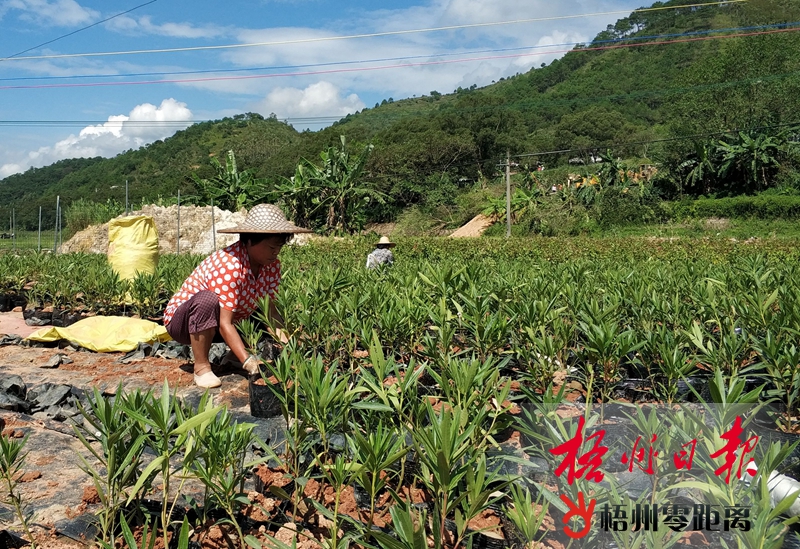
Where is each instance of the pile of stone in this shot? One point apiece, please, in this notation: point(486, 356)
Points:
point(46, 401)
point(197, 230)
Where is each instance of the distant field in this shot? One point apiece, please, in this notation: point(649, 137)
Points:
point(26, 240)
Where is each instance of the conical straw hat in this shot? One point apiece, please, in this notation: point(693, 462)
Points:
point(384, 241)
point(267, 219)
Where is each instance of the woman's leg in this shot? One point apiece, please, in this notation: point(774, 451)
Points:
point(201, 344)
point(196, 323)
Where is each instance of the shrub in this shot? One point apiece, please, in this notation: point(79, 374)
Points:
point(763, 206)
point(82, 213)
point(620, 206)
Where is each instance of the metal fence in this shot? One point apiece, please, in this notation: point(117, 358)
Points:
point(46, 235)
point(47, 231)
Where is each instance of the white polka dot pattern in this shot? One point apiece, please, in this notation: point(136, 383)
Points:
point(241, 294)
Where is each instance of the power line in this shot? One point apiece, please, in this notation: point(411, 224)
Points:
point(385, 67)
point(408, 57)
point(651, 141)
point(536, 103)
point(500, 161)
point(79, 30)
point(367, 35)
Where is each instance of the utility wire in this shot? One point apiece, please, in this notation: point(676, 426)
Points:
point(368, 35)
point(444, 109)
point(405, 58)
point(651, 141)
point(385, 67)
point(501, 161)
point(77, 31)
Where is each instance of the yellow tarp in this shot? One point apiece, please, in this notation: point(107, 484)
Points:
point(133, 246)
point(105, 334)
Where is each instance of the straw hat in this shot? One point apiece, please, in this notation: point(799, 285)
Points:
point(384, 241)
point(266, 219)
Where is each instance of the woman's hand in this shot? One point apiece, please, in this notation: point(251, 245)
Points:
point(252, 365)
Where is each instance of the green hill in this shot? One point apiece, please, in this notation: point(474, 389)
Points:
point(631, 96)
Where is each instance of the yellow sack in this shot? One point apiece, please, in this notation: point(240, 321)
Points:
point(133, 246)
point(105, 334)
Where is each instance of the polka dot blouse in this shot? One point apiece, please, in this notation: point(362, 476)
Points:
point(227, 273)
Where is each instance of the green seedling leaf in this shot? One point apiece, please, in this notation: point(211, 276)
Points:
point(154, 466)
point(193, 422)
point(706, 487)
point(280, 492)
point(183, 537)
point(371, 405)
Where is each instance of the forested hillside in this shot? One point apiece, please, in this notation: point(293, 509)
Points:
point(639, 89)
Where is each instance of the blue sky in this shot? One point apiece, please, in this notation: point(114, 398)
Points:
point(340, 75)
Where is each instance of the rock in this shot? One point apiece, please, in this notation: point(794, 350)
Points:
point(10, 339)
point(37, 317)
point(16, 310)
point(14, 404)
point(133, 356)
point(56, 360)
point(47, 394)
point(36, 321)
point(54, 412)
point(13, 385)
point(30, 476)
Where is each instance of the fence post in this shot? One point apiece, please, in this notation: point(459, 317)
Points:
point(13, 229)
point(179, 221)
point(126, 198)
point(39, 244)
point(213, 226)
point(55, 236)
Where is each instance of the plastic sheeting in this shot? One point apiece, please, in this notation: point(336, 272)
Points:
point(105, 334)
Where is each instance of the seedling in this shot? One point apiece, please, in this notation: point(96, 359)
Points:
point(12, 461)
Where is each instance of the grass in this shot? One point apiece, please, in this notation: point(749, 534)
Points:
point(740, 229)
point(27, 240)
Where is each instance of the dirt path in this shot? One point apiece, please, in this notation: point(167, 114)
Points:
point(476, 227)
point(13, 323)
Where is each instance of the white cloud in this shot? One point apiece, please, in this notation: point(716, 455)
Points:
point(402, 81)
point(144, 124)
point(320, 99)
point(145, 25)
point(10, 169)
point(60, 13)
